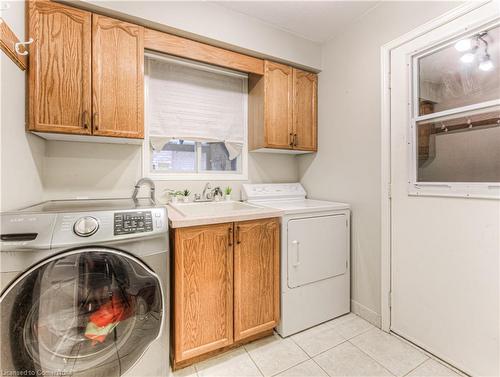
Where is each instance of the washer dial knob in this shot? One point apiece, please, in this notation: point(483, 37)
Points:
point(86, 226)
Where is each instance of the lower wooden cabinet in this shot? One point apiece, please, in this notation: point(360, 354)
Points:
point(225, 286)
point(203, 289)
point(256, 277)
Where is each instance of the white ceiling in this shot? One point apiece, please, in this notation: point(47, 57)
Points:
point(317, 21)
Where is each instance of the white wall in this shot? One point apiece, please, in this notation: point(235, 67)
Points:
point(210, 22)
point(73, 169)
point(21, 156)
point(347, 167)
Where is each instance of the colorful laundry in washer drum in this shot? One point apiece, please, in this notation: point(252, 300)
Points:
point(107, 317)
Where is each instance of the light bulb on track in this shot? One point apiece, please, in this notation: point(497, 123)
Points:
point(486, 64)
point(463, 45)
point(467, 58)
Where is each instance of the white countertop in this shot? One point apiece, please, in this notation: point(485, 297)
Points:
point(177, 219)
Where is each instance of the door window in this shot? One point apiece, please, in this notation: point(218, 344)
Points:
point(455, 122)
point(84, 313)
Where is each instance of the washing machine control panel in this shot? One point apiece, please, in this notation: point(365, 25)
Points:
point(132, 222)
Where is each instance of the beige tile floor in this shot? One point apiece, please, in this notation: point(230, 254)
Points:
point(346, 346)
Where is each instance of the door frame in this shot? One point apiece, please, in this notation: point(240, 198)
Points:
point(385, 216)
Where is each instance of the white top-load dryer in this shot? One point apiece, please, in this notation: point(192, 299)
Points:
point(315, 256)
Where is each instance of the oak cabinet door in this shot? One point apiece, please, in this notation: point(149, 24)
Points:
point(305, 89)
point(203, 289)
point(117, 78)
point(256, 277)
point(278, 105)
point(59, 73)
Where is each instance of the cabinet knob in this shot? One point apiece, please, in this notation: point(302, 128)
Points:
point(96, 119)
point(230, 232)
point(295, 140)
point(238, 239)
point(84, 119)
point(291, 139)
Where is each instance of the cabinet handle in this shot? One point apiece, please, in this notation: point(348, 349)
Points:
point(238, 240)
point(291, 139)
point(295, 140)
point(96, 124)
point(230, 231)
point(84, 119)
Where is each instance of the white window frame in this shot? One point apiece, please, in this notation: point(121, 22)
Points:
point(484, 190)
point(240, 175)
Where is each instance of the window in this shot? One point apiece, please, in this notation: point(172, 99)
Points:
point(179, 156)
point(455, 118)
point(196, 121)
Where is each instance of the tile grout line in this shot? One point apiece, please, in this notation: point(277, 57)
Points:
point(320, 367)
point(430, 355)
point(253, 361)
point(376, 361)
point(418, 366)
point(294, 365)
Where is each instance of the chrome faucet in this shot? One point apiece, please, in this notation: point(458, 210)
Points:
point(208, 186)
point(140, 183)
point(205, 196)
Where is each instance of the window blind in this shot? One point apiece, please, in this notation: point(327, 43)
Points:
point(190, 103)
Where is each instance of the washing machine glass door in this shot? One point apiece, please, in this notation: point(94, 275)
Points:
point(86, 312)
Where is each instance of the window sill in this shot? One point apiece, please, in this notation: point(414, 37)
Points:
point(455, 190)
point(198, 176)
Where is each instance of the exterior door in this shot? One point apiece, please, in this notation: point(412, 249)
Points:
point(59, 68)
point(256, 277)
point(317, 249)
point(203, 289)
point(305, 91)
point(83, 313)
point(278, 105)
point(117, 78)
point(446, 242)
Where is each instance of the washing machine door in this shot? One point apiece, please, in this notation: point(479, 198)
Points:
point(85, 312)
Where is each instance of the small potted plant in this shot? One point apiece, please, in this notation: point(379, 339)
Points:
point(174, 195)
point(227, 193)
point(185, 195)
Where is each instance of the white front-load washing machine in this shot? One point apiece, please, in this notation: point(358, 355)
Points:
point(85, 289)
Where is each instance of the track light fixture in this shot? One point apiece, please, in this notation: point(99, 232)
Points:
point(471, 46)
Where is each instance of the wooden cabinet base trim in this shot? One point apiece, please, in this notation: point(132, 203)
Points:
point(206, 348)
point(196, 359)
point(248, 334)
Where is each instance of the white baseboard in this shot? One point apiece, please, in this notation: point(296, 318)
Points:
point(371, 316)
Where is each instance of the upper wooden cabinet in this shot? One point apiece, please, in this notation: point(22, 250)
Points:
point(283, 109)
point(85, 73)
point(278, 111)
point(117, 78)
point(59, 68)
point(256, 277)
point(305, 89)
